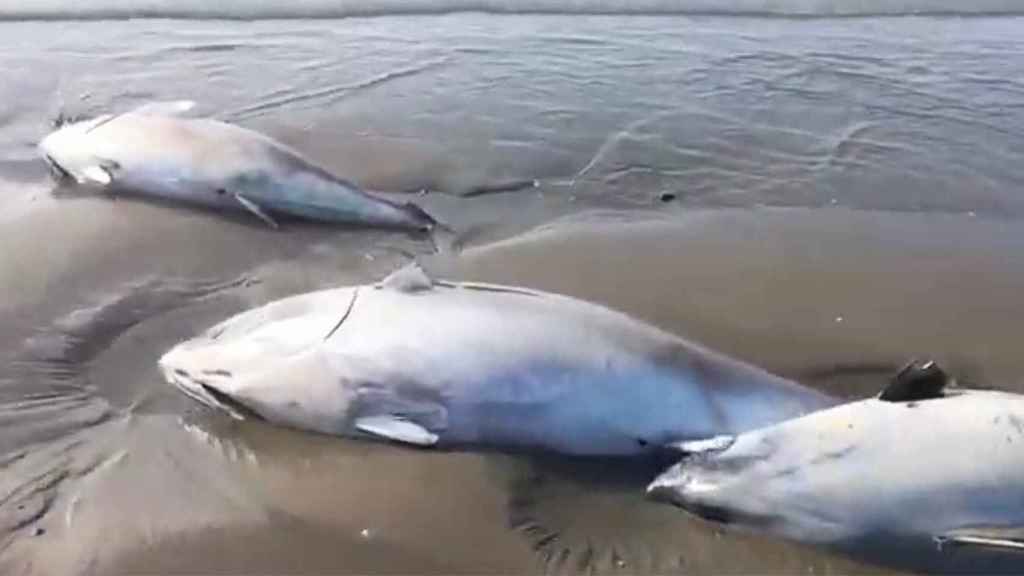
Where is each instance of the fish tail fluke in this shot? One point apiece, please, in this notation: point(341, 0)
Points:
point(446, 241)
point(443, 236)
point(422, 218)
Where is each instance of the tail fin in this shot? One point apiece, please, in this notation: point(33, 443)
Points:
point(444, 238)
point(422, 217)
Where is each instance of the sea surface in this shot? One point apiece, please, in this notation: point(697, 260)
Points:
point(824, 188)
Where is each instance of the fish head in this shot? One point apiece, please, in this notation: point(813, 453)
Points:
point(715, 481)
point(68, 149)
point(777, 480)
point(269, 363)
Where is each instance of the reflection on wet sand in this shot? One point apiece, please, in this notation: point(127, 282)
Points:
point(819, 293)
point(117, 472)
point(106, 469)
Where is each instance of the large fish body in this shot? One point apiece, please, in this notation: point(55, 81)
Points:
point(471, 365)
point(918, 476)
point(156, 151)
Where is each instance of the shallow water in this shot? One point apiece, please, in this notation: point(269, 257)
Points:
point(846, 197)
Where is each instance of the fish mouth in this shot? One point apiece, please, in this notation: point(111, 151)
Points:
point(710, 512)
point(670, 488)
point(203, 391)
point(696, 495)
point(56, 170)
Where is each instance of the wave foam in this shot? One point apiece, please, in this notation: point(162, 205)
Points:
point(267, 9)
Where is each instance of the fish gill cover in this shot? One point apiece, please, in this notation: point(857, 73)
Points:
point(264, 9)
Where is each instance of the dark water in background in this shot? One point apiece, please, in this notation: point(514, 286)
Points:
point(887, 148)
point(900, 114)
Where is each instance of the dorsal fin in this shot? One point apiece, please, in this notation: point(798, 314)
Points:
point(409, 278)
point(917, 381)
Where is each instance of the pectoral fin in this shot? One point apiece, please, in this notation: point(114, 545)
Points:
point(1009, 539)
point(170, 108)
point(703, 446)
point(96, 174)
point(396, 429)
point(255, 209)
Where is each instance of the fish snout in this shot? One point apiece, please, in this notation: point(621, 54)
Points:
point(45, 146)
point(692, 474)
point(724, 490)
point(176, 372)
point(679, 485)
point(666, 486)
point(207, 386)
point(690, 492)
point(175, 362)
point(49, 148)
point(168, 366)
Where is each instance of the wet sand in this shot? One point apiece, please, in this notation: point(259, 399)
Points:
point(124, 475)
point(885, 146)
point(801, 292)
